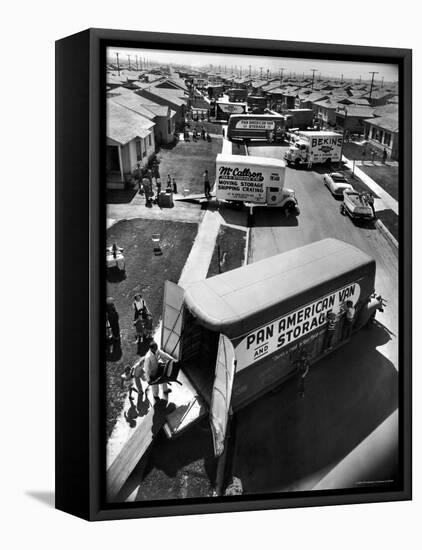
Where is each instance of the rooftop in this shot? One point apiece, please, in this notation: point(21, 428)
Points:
point(387, 122)
point(124, 125)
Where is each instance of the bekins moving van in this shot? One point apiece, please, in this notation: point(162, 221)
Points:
point(318, 147)
point(253, 180)
point(237, 335)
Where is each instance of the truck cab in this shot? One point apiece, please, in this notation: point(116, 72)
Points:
point(298, 153)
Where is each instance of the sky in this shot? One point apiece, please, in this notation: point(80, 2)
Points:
point(334, 69)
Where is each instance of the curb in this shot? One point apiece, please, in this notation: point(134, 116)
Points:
point(387, 233)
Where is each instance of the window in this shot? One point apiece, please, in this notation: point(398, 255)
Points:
point(387, 139)
point(374, 133)
point(144, 152)
point(138, 149)
point(169, 126)
point(150, 140)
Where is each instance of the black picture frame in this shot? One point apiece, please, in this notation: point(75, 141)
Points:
point(80, 279)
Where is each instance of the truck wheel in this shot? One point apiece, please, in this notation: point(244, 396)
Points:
point(342, 210)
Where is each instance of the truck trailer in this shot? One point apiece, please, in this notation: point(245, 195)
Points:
point(315, 148)
point(263, 127)
point(224, 109)
point(253, 181)
point(239, 334)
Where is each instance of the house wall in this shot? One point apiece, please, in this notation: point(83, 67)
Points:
point(164, 130)
point(179, 109)
point(377, 139)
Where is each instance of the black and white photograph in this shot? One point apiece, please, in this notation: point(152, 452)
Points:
point(252, 263)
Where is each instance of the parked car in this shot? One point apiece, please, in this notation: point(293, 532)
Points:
point(337, 183)
point(357, 205)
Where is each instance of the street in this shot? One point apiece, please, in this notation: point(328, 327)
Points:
point(289, 443)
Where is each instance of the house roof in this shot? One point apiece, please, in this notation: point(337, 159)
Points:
point(389, 110)
point(134, 103)
point(176, 97)
point(386, 122)
point(359, 111)
point(156, 108)
point(329, 103)
point(316, 96)
point(124, 125)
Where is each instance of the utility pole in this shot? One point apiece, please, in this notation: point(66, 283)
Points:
point(118, 66)
point(281, 75)
point(382, 82)
point(341, 79)
point(136, 57)
point(313, 77)
point(373, 73)
point(268, 72)
point(129, 61)
point(249, 71)
point(261, 72)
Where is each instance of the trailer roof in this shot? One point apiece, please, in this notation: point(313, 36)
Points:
point(243, 299)
point(247, 161)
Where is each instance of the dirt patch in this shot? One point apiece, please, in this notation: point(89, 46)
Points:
point(231, 243)
point(187, 161)
point(145, 273)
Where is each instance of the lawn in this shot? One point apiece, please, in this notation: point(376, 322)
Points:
point(386, 176)
point(232, 250)
point(187, 161)
point(145, 273)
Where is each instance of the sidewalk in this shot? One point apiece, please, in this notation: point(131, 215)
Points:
point(385, 201)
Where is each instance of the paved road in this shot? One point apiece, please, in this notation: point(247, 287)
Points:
point(287, 443)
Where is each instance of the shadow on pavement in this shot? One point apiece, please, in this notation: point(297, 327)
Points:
point(163, 473)
point(282, 438)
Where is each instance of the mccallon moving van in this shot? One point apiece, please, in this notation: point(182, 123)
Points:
point(238, 335)
point(318, 147)
point(253, 181)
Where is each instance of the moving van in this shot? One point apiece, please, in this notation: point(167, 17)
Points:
point(316, 147)
point(238, 335)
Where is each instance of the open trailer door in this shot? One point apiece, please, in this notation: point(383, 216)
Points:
point(172, 326)
point(222, 391)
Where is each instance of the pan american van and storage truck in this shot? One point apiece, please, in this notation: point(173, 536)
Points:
point(318, 147)
point(254, 181)
point(239, 334)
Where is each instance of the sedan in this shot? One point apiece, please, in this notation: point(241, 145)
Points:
point(337, 183)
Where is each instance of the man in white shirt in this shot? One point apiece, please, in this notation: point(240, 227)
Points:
point(155, 361)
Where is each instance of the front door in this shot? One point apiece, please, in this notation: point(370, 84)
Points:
point(172, 327)
point(222, 391)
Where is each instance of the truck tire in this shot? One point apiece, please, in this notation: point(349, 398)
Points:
point(342, 209)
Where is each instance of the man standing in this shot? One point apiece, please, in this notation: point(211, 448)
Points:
point(154, 365)
point(302, 371)
point(348, 319)
point(310, 160)
point(331, 329)
point(113, 319)
point(207, 187)
point(384, 156)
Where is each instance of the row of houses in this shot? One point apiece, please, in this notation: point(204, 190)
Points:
point(144, 110)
